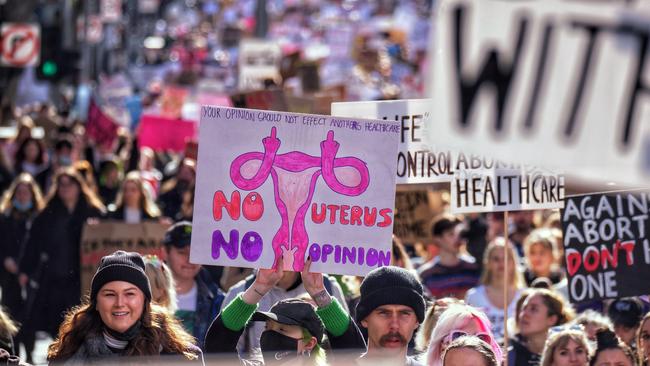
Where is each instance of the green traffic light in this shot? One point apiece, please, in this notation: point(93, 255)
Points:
point(49, 68)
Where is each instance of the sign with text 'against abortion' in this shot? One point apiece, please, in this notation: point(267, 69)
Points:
point(421, 157)
point(607, 245)
point(506, 189)
point(274, 185)
point(559, 84)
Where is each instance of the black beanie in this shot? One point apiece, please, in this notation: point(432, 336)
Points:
point(121, 266)
point(390, 286)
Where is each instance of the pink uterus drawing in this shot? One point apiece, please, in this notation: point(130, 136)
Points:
point(294, 176)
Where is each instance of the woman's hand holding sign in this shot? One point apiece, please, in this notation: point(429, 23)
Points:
point(315, 286)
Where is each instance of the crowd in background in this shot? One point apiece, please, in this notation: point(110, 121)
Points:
point(471, 296)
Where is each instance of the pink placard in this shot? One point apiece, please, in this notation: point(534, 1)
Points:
point(161, 133)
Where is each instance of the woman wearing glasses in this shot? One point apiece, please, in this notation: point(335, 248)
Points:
point(566, 347)
point(542, 310)
point(457, 321)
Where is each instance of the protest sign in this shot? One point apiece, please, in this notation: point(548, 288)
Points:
point(98, 240)
point(413, 215)
point(558, 84)
point(607, 245)
point(161, 134)
point(100, 127)
point(505, 189)
point(276, 185)
point(259, 60)
point(113, 92)
point(420, 159)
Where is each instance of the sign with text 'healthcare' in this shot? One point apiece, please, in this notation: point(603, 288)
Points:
point(274, 185)
point(421, 157)
point(506, 189)
point(559, 84)
point(607, 245)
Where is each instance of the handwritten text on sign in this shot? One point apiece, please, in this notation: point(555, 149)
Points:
point(566, 78)
point(505, 190)
point(607, 247)
point(421, 157)
point(274, 185)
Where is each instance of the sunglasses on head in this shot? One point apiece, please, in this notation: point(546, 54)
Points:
point(459, 333)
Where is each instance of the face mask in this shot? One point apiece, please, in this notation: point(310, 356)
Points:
point(22, 207)
point(65, 161)
point(272, 341)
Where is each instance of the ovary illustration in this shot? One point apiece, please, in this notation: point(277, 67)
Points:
point(294, 175)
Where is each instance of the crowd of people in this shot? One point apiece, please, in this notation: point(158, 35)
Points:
point(454, 301)
point(471, 296)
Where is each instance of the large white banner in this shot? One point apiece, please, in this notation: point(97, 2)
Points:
point(421, 157)
point(274, 184)
point(559, 84)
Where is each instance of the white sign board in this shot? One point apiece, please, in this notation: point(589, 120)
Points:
point(276, 185)
point(258, 60)
point(559, 84)
point(20, 44)
point(420, 158)
point(505, 190)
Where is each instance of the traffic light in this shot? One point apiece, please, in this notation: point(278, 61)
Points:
point(56, 63)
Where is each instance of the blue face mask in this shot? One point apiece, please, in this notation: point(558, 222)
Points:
point(22, 207)
point(65, 161)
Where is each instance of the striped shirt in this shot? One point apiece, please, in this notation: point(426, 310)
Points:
point(443, 281)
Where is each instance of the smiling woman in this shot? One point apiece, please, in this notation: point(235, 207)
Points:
point(119, 320)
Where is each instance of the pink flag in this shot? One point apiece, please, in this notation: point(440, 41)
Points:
point(99, 126)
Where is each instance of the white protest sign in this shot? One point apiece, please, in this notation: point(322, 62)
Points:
point(273, 184)
point(258, 60)
point(20, 44)
point(559, 84)
point(497, 190)
point(420, 158)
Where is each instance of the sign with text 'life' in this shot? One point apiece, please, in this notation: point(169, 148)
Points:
point(607, 245)
point(558, 84)
point(421, 157)
point(504, 189)
point(274, 185)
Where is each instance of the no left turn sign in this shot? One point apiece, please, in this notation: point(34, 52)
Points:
point(20, 44)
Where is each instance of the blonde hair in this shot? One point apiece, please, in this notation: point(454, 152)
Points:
point(456, 317)
point(431, 319)
point(486, 276)
point(22, 178)
point(163, 288)
point(641, 357)
point(473, 343)
point(8, 328)
point(561, 339)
